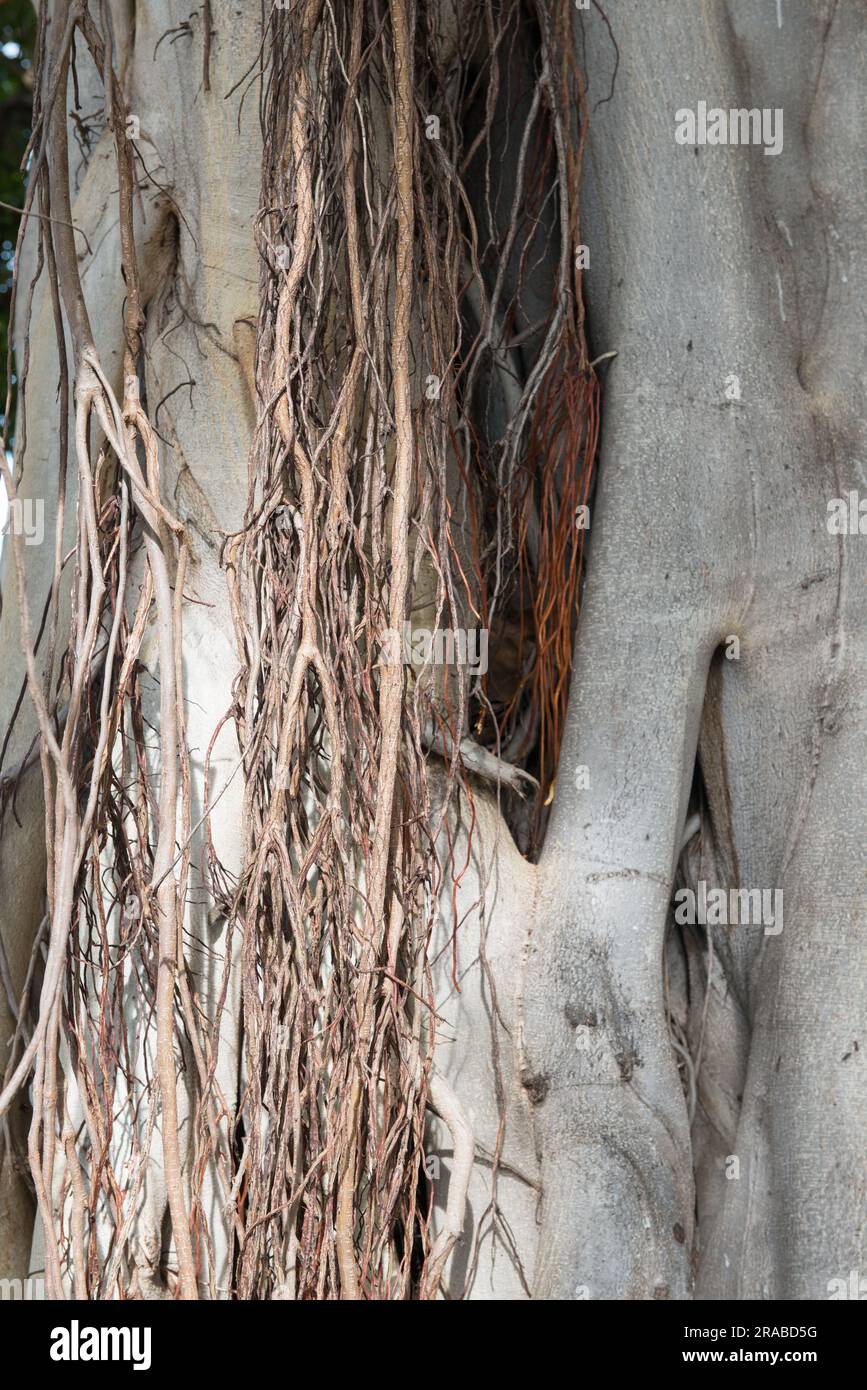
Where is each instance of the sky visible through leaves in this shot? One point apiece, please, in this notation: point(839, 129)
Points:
point(17, 30)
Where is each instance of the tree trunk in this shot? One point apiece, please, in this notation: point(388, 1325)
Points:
point(353, 968)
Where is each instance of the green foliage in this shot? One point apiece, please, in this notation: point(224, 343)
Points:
point(17, 34)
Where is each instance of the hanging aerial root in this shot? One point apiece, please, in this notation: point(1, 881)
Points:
point(115, 920)
point(376, 488)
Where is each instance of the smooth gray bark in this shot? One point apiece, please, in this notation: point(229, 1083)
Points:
point(710, 521)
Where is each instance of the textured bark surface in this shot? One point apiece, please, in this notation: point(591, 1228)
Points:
point(709, 521)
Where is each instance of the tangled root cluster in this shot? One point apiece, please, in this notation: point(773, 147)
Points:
point(426, 429)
